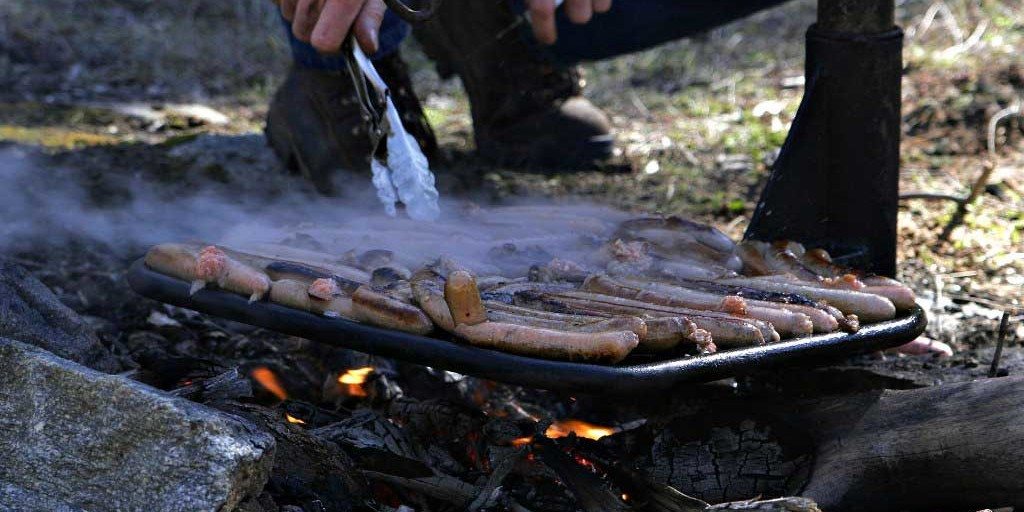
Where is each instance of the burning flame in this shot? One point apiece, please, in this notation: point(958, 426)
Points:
point(564, 428)
point(581, 428)
point(269, 381)
point(521, 441)
point(293, 419)
point(354, 380)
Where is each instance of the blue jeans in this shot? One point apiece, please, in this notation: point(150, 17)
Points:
point(630, 26)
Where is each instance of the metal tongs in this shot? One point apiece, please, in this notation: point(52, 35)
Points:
point(401, 172)
point(369, 101)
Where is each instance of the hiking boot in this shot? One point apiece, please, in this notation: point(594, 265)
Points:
point(526, 109)
point(315, 125)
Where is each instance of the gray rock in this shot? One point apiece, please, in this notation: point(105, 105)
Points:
point(29, 312)
point(86, 440)
point(24, 500)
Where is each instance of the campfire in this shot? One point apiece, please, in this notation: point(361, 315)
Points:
point(542, 284)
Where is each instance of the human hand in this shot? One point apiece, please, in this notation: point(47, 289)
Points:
point(542, 15)
point(325, 23)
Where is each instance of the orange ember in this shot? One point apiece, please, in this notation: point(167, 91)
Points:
point(269, 381)
point(293, 419)
point(353, 380)
point(581, 428)
point(521, 441)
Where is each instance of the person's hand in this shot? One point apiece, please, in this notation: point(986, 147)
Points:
point(542, 15)
point(325, 23)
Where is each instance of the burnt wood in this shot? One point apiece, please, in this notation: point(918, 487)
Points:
point(953, 447)
point(625, 379)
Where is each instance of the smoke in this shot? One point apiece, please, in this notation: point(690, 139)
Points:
point(233, 193)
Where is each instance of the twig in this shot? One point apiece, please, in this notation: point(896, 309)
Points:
point(963, 205)
point(491, 491)
point(986, 172)
point(931, 197)
point(1004, 324)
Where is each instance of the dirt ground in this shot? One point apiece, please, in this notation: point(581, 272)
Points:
point(698, 122)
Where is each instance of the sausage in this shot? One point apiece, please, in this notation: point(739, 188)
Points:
point(463, 298)
point(606, 347)
point(594, 324)
point(263, 254)
point(678, 232)
point(823, 317)
point(175, 260)
point(682, 269)
point(754, 262)
point(324, 288)
point(867, 307)
point(379, 309)
point(686, 298)
point(308, 274)
point(384, 276)
point(900, 295)
point(208, 265)
point(821, 321)
point(762, 258)
point(765, 329)
point(428, 292)
point(362, 305)
point(725, 330)
point(243, 279)
point(295, 294)
point(787, 323)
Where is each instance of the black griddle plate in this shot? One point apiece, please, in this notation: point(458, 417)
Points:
point(625, 379)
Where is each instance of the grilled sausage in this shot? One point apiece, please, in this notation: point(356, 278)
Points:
point(295, 294)
point(463, 298)
point(381, 310)
point(607, 347)
point(243, 279)
point(175, 260)
point(428, 292)
point(208, 265)
point(867, 307)
point(324, 288)
point(725, 330)
point(787, 323)
point(362, 303)
point(656, 334)
point(263, 254)
point(900, 295)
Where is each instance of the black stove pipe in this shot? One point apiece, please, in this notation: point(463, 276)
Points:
point(835, 182)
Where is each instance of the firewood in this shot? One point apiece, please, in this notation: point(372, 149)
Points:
point(948, 447)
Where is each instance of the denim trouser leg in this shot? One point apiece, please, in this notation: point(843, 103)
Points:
point(634, 25)
point(392, 32)
point(630, 26)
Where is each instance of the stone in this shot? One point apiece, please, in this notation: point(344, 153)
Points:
point(29, 312)
point(86, 440)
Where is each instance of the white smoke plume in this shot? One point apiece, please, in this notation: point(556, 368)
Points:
point(43, 204)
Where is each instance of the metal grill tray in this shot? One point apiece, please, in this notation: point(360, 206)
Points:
point(625, 379)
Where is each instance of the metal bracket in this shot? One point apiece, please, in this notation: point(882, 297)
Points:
point(835, 184)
